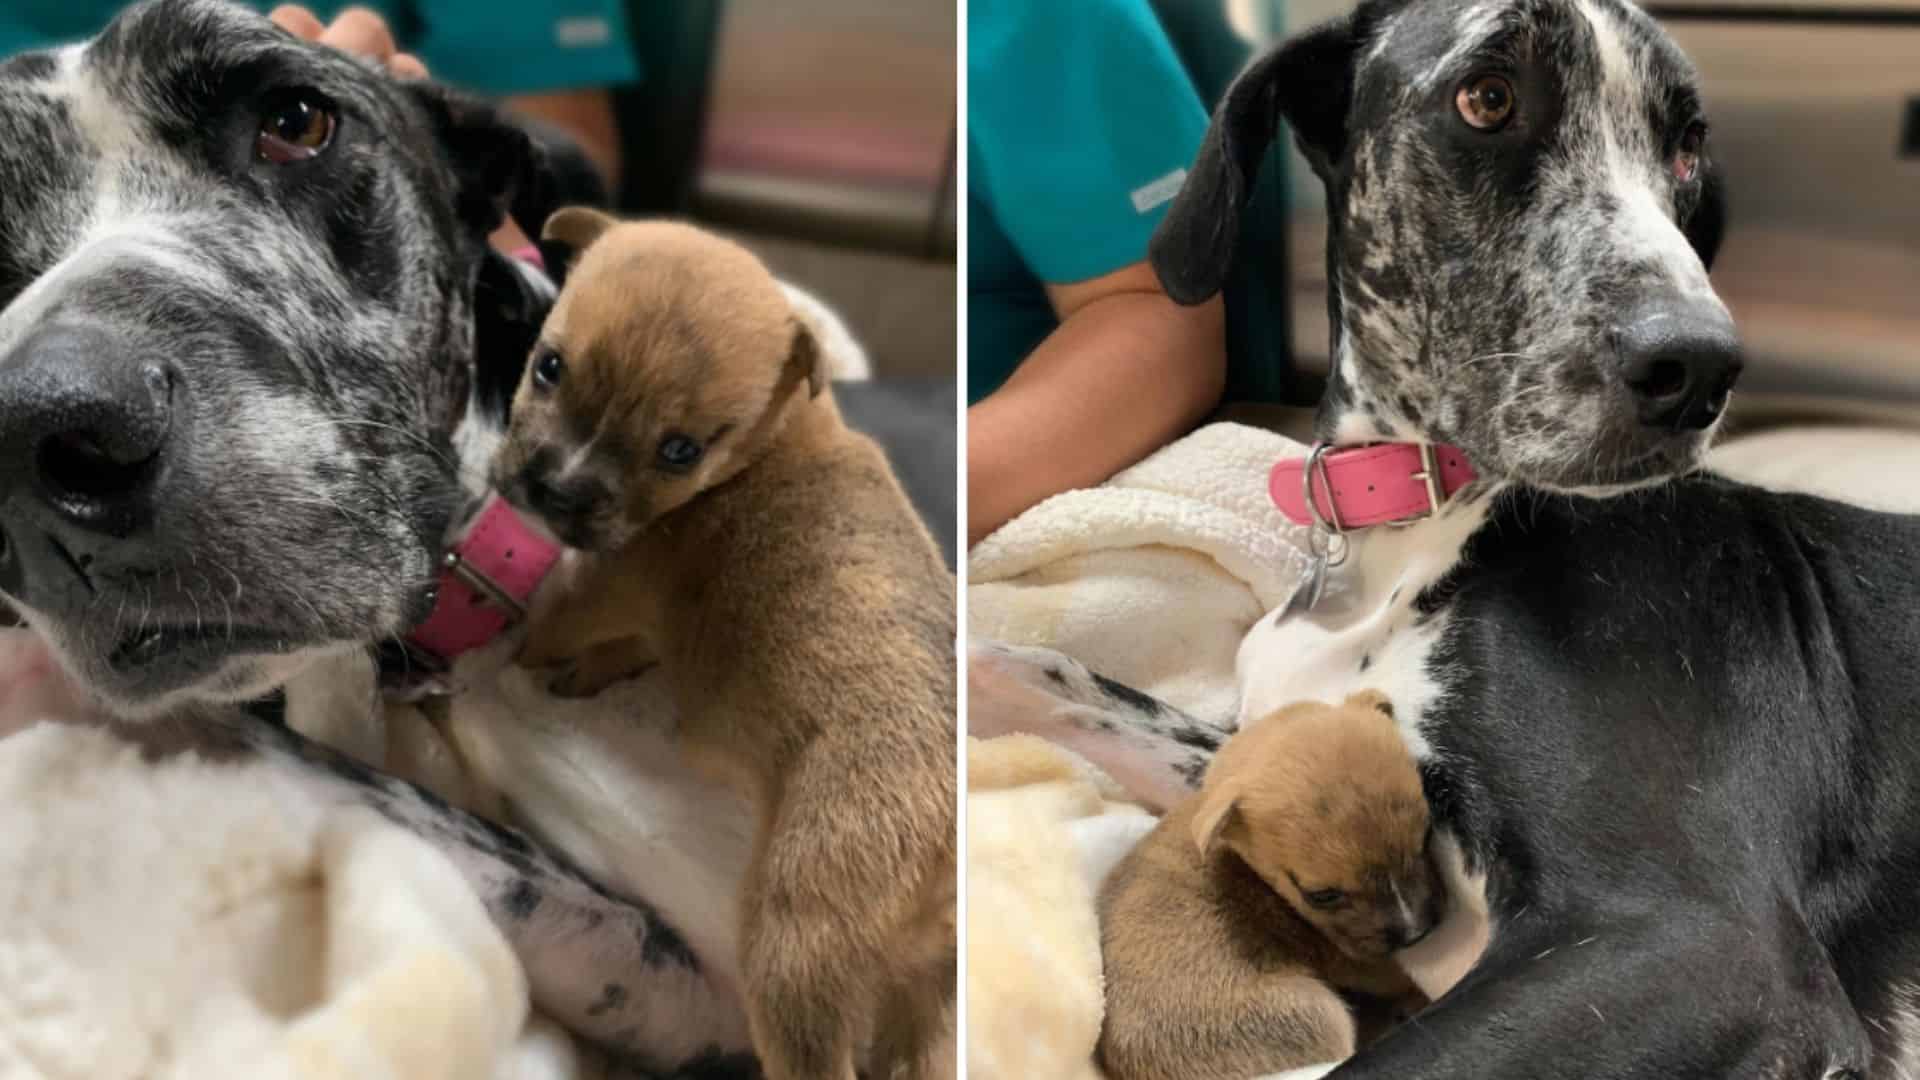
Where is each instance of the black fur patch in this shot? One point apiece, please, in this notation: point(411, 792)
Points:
point(1128, 696)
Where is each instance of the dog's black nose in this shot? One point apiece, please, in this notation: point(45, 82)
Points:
point(85, 427)
point(1680, 364)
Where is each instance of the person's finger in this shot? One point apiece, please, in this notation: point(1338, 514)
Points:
point(406, 67)
point(298, 21)
point(363, 33)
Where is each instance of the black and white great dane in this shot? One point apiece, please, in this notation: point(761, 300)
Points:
point(254, 352)
point(1669, 723)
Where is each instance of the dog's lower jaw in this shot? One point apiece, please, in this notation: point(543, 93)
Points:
point(1349, 417)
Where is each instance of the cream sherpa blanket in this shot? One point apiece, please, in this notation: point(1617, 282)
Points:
point(183, 919)
point(1155, 576)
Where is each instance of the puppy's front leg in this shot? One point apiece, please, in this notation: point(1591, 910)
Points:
point(591, 609)
point(601, 666)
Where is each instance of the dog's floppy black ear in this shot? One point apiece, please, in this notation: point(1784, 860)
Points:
point(500, 171)
point(1707, 225)
point(1308, 82)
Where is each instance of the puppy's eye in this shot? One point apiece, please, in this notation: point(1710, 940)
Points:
point(296, 125)
point(679, 452)
point(1686, 156)
point(547, 369)
point(1485, 102)
point(1326, 898)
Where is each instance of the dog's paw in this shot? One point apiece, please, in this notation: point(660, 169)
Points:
point(1012, 688)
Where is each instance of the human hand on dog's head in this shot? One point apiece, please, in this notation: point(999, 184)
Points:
point(1325, 804)
point(667, 362)
point(356, 30)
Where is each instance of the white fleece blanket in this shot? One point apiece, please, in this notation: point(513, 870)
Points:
point(1153, 577)
point(186, 919)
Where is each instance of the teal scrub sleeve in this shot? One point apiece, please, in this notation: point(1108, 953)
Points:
point(38, 24)
point(1082, 123)
point(504, 47)
point(492, 47)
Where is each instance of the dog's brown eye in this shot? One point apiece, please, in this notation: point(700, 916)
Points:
point(1686, 157)
point(1326, 898)
point(296, 125)
point(1485, 102)
point(679, 452)
point(547, 369)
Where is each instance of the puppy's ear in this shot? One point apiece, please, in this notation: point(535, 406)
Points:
point(1708, 223)
point(1309, 83)
point(1372, 699)
point(499, 170)
point(1219, 808)
point(806, 356)
point(575, 228)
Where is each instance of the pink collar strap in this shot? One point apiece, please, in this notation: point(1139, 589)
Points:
point(1375, 484)
point(486, 582)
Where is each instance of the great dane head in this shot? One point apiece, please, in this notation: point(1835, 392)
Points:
point(238, 276)
point(1521, 213)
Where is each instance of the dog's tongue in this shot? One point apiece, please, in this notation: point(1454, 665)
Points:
point(32, 685)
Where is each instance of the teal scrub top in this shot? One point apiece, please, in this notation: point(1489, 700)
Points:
point(1081, 123)
point(493, 47)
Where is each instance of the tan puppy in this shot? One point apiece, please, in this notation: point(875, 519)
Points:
point(675, 424)
point(1294, 872)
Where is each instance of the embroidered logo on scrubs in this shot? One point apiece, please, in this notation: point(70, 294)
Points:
point(582, 33)
point(1153, 194)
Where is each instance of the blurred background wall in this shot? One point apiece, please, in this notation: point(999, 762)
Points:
point(823, 132)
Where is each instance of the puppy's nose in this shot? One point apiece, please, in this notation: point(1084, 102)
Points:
point(1680, 362)
point(86, 427)
point(558, 500)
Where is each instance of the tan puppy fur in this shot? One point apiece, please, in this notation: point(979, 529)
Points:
point(1294, 873)
point(802, 615)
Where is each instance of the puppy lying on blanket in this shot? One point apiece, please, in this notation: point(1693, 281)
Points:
point(674, 423)
point(1296, 870)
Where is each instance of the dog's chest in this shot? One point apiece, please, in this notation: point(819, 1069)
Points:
point(1368, 632)
point(603, 782)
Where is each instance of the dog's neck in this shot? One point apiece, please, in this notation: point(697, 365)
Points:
point(1391, 565)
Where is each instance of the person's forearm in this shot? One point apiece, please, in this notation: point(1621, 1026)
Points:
point(1120, 378)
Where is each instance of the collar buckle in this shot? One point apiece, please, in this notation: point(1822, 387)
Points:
point(485, 586)
point(1436, 496)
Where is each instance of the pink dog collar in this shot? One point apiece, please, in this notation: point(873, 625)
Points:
point(1374, 484)
point(486, 582)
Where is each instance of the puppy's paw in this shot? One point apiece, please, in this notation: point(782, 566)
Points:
point(568, 681)
point(588, 676)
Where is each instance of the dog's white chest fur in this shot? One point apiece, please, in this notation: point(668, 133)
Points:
point(601, 781)
point(1366, 634)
